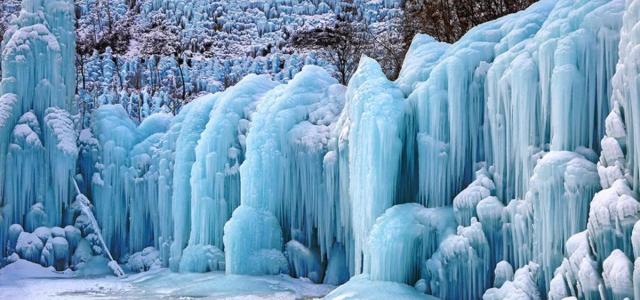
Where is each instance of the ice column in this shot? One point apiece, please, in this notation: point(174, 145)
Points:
point(141, 183)
point(541, 90)
point(376, 135)
point(403, 238)
point(37, 135)
point(192, 126)
point(562, 185)
point(215, 176)
point(116, 134)
point(282, 180)
point(450, 104)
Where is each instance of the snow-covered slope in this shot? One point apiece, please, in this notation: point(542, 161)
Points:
point(171, 50)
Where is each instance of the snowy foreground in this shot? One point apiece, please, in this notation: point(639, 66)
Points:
point(26, 280)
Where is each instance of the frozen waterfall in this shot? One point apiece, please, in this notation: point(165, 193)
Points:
point(502, 166)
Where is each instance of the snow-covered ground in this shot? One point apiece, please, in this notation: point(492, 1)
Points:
point(26, 280)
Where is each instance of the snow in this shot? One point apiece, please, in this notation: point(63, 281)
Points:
point(617, 275)
point(361, 287)
point(29, 246)
point(23, 279)
point(523, 286)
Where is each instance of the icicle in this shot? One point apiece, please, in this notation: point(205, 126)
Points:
point(460, 268)
point(215, 176)
point(403, 238)
point(450, 107)
point(561, 188)
point(282, 179)
point(539, 91)
point(376, 136)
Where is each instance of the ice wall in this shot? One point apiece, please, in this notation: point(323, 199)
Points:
point(215, 177)
point(450, 110)
point(282, 179)
point(116, 135)
point(599, 261)
point(541, 90)
point(192, 126)
point(38, 150)
point(403, 238)
point(529, 84)
point(376, 135)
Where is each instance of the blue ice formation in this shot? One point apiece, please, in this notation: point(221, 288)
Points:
point(38, 150)
point(282, 179)
point(403, 238)
point(376, 132)
point(502, 166)
point(215, 175)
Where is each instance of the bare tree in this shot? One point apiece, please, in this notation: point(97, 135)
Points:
point(448, 20)
point(388, 47)
point(342, 44)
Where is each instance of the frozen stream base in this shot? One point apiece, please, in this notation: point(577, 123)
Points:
point(26, 280)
